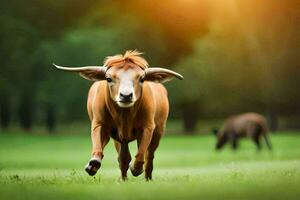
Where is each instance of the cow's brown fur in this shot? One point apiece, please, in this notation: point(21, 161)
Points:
point(251, 125)
point(144, 121)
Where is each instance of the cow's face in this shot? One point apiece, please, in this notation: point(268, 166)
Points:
point(221, 139)
point(125, 84)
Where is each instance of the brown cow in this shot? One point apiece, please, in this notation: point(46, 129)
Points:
point(127, 102)
point(251, 125)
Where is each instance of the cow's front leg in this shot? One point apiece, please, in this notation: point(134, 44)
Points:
point(143, 142)
point(99, 140)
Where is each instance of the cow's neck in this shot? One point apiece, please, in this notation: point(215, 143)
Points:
point(123, 118)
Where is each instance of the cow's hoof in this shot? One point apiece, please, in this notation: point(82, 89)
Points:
point(93, 166)
point(123, 179)
point(135, 172)
point(148, 178)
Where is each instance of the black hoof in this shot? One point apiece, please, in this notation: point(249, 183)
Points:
point(123, 179)
point(135, 172)
point(93, 166)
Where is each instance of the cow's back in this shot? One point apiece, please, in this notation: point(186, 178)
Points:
point(246, 124)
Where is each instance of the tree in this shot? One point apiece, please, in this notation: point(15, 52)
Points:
point(241, 65)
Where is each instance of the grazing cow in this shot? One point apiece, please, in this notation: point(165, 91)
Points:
point(251, 125)
point(127, 102)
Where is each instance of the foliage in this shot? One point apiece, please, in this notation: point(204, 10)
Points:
point(236, 57)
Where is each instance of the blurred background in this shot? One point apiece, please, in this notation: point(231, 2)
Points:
point(236, 56)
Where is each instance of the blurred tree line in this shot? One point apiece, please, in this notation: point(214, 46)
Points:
point(236, 56)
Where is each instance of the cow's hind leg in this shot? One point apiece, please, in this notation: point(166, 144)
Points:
point(123, 159)
point(256, 135)
point(150, 154)
point(256, 140)
point(267, 140)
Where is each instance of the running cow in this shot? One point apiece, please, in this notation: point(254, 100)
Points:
point(126, 102)
point(251, 125)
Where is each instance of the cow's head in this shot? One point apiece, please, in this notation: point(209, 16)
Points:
point(222, 138)
point(125, 76)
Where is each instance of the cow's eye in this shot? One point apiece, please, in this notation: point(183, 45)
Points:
point(142, 79)
point(108, 79)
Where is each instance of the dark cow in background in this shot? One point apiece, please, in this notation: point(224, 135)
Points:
point(250, 125)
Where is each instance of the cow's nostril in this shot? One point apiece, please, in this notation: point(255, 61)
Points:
point(126, 97)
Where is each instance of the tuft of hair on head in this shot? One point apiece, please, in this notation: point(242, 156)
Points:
point(133, 56)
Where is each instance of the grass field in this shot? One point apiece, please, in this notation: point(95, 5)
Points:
point(51, 167)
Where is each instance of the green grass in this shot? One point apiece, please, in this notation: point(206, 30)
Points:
point(51, 167)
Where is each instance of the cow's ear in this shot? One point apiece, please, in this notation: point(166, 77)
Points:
point(93, 73)
point(97, 74)
point(161, 75)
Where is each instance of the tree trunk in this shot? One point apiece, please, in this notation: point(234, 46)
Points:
point(5, 110)
point(190, 117)
point(272, 120)
point(26, 111)
point(50, 118)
